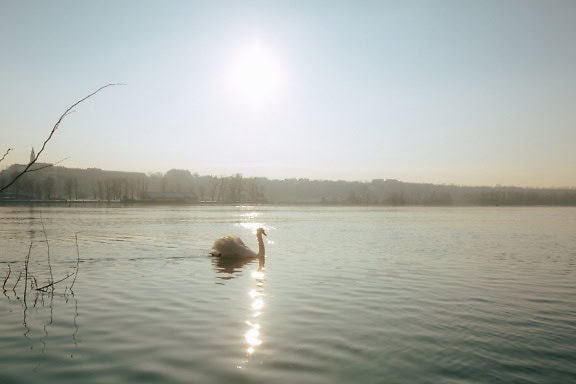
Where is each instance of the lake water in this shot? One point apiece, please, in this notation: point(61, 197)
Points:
point(346, 295)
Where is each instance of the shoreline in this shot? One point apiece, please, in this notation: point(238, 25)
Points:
point(150, 202)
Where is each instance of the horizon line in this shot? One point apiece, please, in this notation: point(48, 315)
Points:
point(149, 174)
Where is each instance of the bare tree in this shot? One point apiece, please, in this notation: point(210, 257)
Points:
point(54, 128)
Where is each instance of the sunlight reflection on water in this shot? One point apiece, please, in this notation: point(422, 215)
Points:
point(230, 268)
point(347, 295)
point(253, 335)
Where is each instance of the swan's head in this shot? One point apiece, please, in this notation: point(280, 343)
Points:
point(260, 232)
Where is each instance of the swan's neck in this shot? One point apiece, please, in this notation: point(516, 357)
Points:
point(261, 250)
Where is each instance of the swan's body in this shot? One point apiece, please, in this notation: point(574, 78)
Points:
point(234, 247)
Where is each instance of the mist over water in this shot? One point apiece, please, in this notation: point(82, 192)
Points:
point(395, 295)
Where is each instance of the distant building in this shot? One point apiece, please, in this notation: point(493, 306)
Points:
point(32, 155)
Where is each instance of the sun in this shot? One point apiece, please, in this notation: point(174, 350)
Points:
point(255, 75)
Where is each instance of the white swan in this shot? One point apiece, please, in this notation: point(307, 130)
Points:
point(233, 247)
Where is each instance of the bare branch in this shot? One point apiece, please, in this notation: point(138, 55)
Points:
point(17, 281)
point(54, 128)
point(47, 251)
point(26, 271)
point(77, 261)
point(5, 154)
point(6, 279)
point(43, 289)
point(47, 165)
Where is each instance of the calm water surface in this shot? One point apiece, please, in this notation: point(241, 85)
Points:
point(346, 295)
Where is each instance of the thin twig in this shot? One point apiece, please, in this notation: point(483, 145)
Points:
point(62, 116)
point(26, 271)
point(36, 300)
point(48, 251)
point(5, 154)
point(43, 289)
point(47, 165)
point(77, 261)
point(6, 279)
point(17, 281)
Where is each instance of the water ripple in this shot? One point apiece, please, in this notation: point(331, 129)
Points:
point(347, 295)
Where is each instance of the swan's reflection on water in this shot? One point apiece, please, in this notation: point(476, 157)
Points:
point(229, 268)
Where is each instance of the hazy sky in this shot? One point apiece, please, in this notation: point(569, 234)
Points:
point(463, 92)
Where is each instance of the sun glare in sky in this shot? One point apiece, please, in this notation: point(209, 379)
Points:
point(254, 75)
point(443, 92)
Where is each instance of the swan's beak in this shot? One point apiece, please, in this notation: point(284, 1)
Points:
point(264, 233)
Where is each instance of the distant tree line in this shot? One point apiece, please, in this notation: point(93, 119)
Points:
point(396, 193)
point(59, 183)
point(196, 188)
point(177, 185)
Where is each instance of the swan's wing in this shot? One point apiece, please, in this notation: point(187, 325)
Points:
point(228, 241)
point(238, 241)
point(229, 246)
